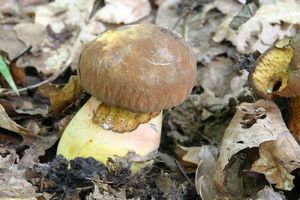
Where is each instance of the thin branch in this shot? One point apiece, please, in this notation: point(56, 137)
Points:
point(182, 171)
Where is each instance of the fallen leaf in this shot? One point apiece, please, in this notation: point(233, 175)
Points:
point(31, 34)
point(7, 123)
point(274, 172)
point(207, 157)
point(268, 193)
point(262, 30)
point(191, 154)
point(253, 124)
point(66, 96)
point(12, 181)
point(218, 72)
point(278, 159)
point(246, 12)
point(10, 43)
point(123, 11)
point(179, 16)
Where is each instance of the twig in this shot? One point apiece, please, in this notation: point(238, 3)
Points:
point(182, 171)
point(50, 79)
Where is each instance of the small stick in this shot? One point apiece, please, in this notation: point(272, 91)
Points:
point(182, 171)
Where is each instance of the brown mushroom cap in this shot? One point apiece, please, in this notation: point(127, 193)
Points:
point(142, 68)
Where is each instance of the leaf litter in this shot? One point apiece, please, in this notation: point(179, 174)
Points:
point(232, 149)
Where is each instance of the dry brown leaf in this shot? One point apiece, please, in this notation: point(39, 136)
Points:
point(63, 17)
point(205, 172)
point(123, 11)
point(10, 43)
point(263, 29)
point(268, 193)
point(191, 155)
point(253, 124)
point(61, 97)
point(277, 159)
point(7, 123)
point(196, 27)
point(68, 94)
point(12, 181)
point(220, 72)
point(274, 172)
point(31, 34)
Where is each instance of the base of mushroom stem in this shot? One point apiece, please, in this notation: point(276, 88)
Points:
point(83, 138)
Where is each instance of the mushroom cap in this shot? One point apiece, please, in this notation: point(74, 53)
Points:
point(141, 68)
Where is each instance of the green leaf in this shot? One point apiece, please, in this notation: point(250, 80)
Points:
point(4, 70)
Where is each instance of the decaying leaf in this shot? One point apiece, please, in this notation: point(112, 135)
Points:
point(282, 156)
point(7, 123)
point(205, 172)
point(12, 181)
point(247, 11)
point(10, 43)
point(274, 172)
point(191, 154)
point(66, 96)
point(252, 125)
point(262, 30)
point(268, 193)
point(123, 11)
point(180, 16)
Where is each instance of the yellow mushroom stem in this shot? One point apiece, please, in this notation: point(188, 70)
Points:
point(84, 138)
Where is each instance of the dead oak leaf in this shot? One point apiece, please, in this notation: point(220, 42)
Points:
point(277, 159)
point(238, 136)
point(274, 172)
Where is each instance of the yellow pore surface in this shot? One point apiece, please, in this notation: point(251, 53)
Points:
point(272, 69)
point(84, 138)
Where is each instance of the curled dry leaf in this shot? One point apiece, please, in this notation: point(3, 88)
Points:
point(262, 30)
point(278, 158)
point(123, 11)
point(7, 123)
point(66, 96)
point(61, 97)
point(253, 124)
point(207, 156)
point(273, 170)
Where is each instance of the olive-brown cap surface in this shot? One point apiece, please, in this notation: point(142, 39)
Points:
point(142, 68)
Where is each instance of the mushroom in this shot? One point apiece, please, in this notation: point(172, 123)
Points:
point(277, 73)
point(277, 70)
point(132, 73)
